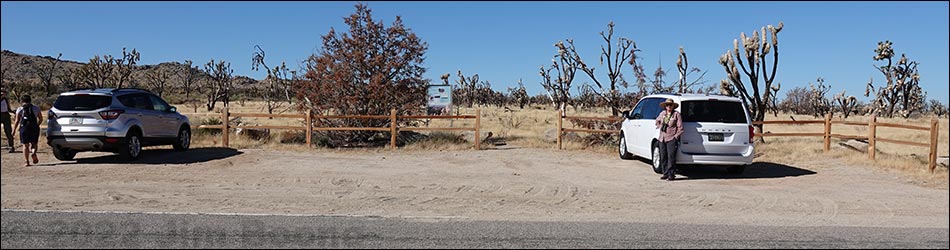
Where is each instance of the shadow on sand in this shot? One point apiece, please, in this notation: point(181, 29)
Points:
point(163, 156)
point(758, 170)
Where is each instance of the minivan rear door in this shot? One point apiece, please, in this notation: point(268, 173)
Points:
point(714, 127)
point(78, 115)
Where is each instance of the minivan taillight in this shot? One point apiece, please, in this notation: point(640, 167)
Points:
point(111, 114)
point(751, 134)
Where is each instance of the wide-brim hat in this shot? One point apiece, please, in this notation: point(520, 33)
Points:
point(669, 102)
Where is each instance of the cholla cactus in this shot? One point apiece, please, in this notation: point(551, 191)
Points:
point(902, 95)
point(937, 108)
point(846, 105)
point(820, 105)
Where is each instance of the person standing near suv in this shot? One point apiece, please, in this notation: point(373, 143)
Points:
point(670, 124)
point(29, 116)
point(5, 112)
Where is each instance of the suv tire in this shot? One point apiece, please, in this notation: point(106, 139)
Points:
point(132, 148)
point(64, 154)
point(183, 142)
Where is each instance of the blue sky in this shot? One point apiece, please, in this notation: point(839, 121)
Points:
point(502, 41)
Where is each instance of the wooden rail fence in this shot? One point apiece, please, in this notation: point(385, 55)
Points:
point(310, 119)
point(871, 137)
point(827, 134)
point(561, 130)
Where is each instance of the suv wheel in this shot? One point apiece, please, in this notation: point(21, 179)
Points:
point(132, 147)
point(64, 154)
point(183, 141)
point(657, 165)
point(624, 154)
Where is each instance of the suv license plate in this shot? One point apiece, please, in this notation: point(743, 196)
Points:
point(75, 121)
point(716, 137)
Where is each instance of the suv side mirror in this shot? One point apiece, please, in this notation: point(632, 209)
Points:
point(173, 109)
point(626, 114)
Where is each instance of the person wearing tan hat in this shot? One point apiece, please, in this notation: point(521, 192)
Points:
point(670, 124)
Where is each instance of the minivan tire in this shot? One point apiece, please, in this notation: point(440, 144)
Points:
point(132, 148)
point(183, 142)
point(64, 154)
point(655, 159)
point(624, 154)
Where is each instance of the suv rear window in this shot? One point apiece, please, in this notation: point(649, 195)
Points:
point(713, 111)
point(82, 102)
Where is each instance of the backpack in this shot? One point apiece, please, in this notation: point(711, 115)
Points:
point(29, 118)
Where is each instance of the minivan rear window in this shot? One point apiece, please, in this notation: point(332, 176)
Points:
point(82, 102)
point(713, 111)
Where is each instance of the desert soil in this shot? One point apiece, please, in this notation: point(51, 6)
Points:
point(515, 184)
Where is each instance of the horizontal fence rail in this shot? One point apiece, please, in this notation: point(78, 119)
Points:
point(561, 130)
point(827, 134)
point(871, 137)
point(310, 118)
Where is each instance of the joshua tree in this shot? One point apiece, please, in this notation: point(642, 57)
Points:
point(614, 58)
point(902, 94)
point(157, 80)
point(820, 104)
point(218, 85)
point(188, 75)
point(558, 86)
point(47, 72)
point(755, 50)
point(846, 104)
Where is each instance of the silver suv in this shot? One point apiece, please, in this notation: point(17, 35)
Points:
point(114, 120)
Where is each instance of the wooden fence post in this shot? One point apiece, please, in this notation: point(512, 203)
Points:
point(309, 128)
point(559, 128)
point(872, 137)
point(827, 132)
point(225, 122)
point(478, 129)
point(934, 132)
point(392, 129)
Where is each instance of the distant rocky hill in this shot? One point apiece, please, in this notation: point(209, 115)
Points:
point(22, 68)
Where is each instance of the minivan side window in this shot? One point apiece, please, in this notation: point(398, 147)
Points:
point(647, 109)
point(651, 108)
point(637, 112)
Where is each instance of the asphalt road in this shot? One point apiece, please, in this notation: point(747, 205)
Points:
point(107, 230)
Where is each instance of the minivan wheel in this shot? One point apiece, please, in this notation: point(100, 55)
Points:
point(132, 147)
point(736, 170)
point(64, 154)
point(183, 141)
point(657, 165)
point(624, 154)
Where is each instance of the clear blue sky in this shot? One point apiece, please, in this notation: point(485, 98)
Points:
point(502, 41)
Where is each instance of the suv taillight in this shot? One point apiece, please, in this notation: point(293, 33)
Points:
point(111, 114)
point(751, 134)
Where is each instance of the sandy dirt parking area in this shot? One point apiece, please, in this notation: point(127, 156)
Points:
point(515, 184)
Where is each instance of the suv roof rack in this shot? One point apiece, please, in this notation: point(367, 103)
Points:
point(135, 89)
point(80, 89)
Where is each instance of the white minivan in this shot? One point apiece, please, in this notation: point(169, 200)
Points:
point(717, 131)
